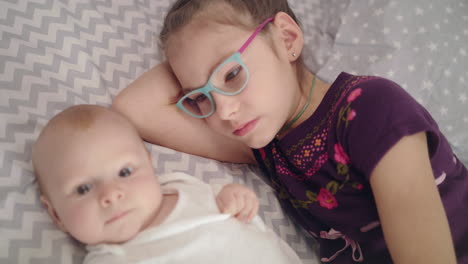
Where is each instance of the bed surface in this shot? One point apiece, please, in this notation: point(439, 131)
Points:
point(58, 53)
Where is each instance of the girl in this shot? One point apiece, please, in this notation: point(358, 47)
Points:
point(358, 163)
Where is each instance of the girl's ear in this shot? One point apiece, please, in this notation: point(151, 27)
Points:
point(52, 213)
point(290, 35)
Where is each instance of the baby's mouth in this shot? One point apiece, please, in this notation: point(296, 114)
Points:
point(117, 217)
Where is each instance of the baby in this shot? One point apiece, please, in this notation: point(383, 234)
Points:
point(98, 185)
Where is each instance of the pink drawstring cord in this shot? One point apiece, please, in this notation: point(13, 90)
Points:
point(332, 235)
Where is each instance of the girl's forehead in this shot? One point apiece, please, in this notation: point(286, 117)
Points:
point(204, 37)
point(195, 51)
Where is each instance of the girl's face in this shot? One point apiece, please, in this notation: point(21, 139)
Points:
point(255, 115)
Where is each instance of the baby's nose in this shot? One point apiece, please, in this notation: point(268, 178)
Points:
point(111, 196)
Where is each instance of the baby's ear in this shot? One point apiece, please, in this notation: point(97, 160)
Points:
point(52, 213)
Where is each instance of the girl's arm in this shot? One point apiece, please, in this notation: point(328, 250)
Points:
point(410, 208)
point(149, 102)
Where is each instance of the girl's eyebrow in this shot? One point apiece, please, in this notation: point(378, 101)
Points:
point(186, 90)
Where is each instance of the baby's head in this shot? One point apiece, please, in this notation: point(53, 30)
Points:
point(95, 175)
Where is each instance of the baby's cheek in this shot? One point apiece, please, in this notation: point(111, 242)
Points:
point(83, 224)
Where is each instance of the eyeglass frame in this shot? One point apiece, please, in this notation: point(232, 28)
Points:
point(209, 87)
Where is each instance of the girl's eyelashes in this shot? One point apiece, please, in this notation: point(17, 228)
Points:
point(83, 189)
point(125, 172)
point(233, 73)
point(197, 98)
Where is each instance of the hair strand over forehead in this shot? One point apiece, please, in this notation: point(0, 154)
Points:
point(245, 13)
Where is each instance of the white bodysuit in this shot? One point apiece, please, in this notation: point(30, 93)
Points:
point(196, 232)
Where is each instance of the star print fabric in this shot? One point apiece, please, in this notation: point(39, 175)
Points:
point(422, 45)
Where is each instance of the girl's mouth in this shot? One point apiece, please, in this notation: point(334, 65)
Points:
point(246, 128)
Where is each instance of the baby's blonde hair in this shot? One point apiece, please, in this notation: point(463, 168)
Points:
point(72, 120)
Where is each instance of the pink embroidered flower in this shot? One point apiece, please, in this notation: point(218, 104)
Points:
point(340, 154)
point(262, 153)
point(318, 141)
point(323, 234)
point(327, 199)
point(351, 115)
point(354, 94)
point(359, 186)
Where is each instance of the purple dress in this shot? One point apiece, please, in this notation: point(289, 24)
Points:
point(320, 170)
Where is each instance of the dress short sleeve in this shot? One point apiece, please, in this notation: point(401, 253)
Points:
point(373, 116)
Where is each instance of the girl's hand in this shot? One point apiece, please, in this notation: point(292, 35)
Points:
point(150, 103)
point(239, 201)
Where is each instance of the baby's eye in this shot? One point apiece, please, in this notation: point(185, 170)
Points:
point(125, 172)
point(83, 189)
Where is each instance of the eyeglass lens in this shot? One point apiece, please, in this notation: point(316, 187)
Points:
point(229, 79)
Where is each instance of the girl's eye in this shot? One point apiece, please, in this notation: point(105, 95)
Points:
point(83, 189)
point(197, 98)
point(233, 73)
point(125, 172)
point(200, 98)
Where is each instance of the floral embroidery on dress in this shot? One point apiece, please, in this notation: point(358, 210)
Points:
point(327, 199)
point(346, 113)
point(297, 175)
point(340, 155)
point(314, 152)
point(312, 155)
point(354, 94)
point(309, 158)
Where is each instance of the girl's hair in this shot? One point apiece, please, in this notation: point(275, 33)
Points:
point(183, 11)
point(247, 14)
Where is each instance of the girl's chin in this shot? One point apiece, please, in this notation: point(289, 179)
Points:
point(259, 143)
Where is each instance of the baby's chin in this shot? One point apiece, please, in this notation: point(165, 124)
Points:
point(115, 241)
point(116, 238)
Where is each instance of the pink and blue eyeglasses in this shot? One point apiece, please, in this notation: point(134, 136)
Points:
point(229, 78)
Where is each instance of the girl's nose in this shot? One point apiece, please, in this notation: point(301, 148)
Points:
point(226, 105)
point(111, 195)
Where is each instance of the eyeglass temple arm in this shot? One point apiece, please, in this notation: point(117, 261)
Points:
point(259, 28)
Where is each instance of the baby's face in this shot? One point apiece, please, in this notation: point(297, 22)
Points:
point(100, 184)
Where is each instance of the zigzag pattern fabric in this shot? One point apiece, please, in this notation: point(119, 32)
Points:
point(58, 53)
